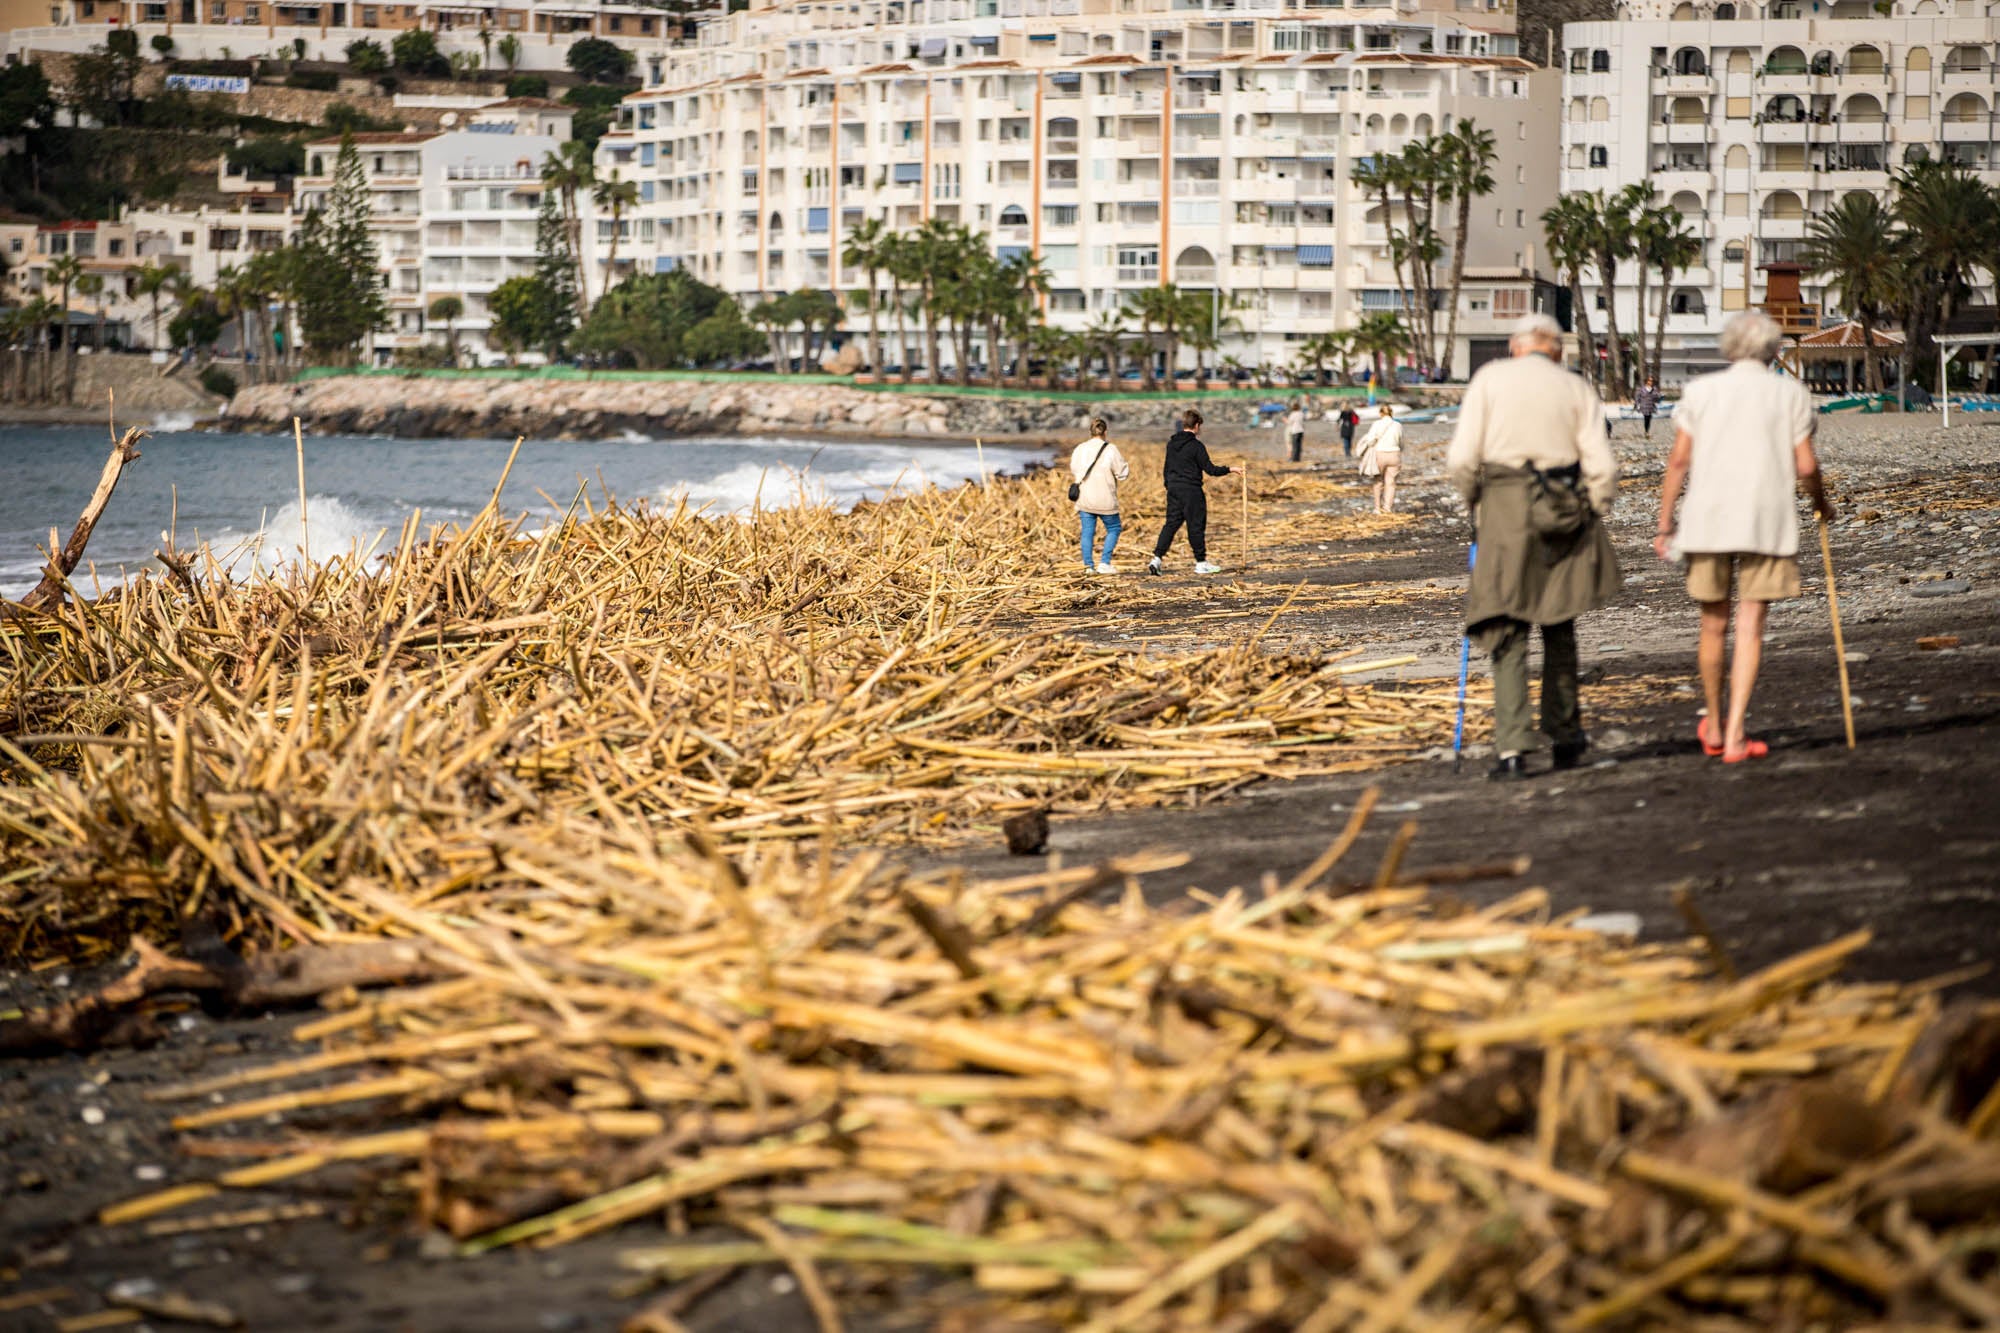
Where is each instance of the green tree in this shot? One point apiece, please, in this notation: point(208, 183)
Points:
point(1380, 336)
point(102, 79)
point(774, 316)
point(36, 316)
point(649, 322)
point(616, 197)
point(600, 61)
point(416, 52)
point(1672, 249)
point(1566, 229)
point(568, 171)
point(340, 289)
point(1946, 215)
point(555, 270)
point(198, 322)
point(1613, 239)
point(63, 271)
point(1465, 160)
point(897, 256)
point(722, 337)
point(1103, 337)
point(509, 47)
point(522, 309)
point(26, 100)
point(448, 310)
point(150, 281)
point(92, 286)
point(863, 250)
point(366, 56)
point(1023, 284)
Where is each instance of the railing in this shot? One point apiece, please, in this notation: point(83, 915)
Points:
point(499, 173)
point(1060, 183)
point(1062, 147)
point(1132, 274)
point(1197, 188)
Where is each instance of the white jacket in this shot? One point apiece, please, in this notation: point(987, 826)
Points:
point(1384, 437)
point(1100, 492)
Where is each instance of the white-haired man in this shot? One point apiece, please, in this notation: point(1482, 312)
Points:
point(1743, 442)
point(1530, 456)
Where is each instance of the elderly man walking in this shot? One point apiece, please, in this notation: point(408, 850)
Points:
point(1529, 457)
point(1743, 440)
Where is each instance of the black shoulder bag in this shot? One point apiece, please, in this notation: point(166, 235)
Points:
point(1076, 487)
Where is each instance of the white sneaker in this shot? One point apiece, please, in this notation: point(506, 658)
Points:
point(1203, 567)
point(1153, 566)
point(1107, 569)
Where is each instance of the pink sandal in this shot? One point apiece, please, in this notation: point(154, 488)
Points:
point(1750, 750)
point(1712, 749)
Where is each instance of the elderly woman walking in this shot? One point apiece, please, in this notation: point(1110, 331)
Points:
point(1743, 443)
point(1381, 457)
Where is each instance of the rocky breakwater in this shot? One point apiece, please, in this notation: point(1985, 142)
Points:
point(473, 407)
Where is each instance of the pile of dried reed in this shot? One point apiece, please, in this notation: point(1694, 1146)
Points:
point(1318, 1109)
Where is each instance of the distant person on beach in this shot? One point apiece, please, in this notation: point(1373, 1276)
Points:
point(1382, 457)
point(1097, 467)
point(1295, 427)
point(1528, 458)
point(1187, 463)
point(1743, 443)
point(1349, 419)
point(1647, 400)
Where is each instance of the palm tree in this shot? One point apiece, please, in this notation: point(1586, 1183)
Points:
point(896, 256)
point(1612, 239)
point(863, 249)
point(569, 172)
point(1102, 337)
point(1566, 227)
point(774, 316)
point(1422, 175)
point(92, 286)
point(1384, 177)
point(447, 310)
point(1944, 210)
point(615, 196)
point(152, 281)
point(1164, 307)
point(38, 314)
point(937, 250)
point(1319, 350)
point(233, 294)
point(274, 273)
point(1024, 282)
point(1465, 162)
point(1379, 335)
point(509, 47)
point(64, 270)
point(1671, 248)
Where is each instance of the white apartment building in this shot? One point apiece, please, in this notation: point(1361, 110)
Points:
point(453, 212)
point(1125, 142)
point(243, 29)
point(1751, 118)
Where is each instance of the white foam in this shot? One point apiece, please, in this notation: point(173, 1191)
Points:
point(331, 530)
point(174, 421)
point(868, 473)
point(635, 437)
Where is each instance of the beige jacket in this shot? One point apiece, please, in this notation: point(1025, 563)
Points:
point(1528, 410)
point(1100, 492)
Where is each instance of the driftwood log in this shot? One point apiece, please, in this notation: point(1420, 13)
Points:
point(48, 594)
point(267, 981)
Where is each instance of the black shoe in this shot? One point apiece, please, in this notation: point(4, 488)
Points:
point(1568, 754)
point(1511, 769)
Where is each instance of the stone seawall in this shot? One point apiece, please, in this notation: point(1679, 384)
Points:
point(592, 409)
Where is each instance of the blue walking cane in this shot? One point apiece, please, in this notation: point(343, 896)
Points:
point(1464, 666)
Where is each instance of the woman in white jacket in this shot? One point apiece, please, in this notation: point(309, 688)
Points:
point(1381, 457)
point(1097, 467)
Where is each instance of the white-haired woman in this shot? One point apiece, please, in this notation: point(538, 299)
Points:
point(1743, 444)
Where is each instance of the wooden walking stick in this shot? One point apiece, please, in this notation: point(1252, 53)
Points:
point(1246, 513)
point(1839, 647)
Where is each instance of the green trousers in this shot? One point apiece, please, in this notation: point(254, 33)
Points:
point(1562, 720)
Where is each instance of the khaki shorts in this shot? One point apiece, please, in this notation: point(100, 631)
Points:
point(1757, 578)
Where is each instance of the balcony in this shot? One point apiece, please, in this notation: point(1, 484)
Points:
point(1681, 131)
point(1796, 82)
point(1781, 229)
point(1197, 188)
point(1197, 274)
point(1980, 130)
point(1794, 318)
point(1138, 274)
point(1687, 85)
point(1798, 179)
point(1061, 147)
point(1781, 131)
point(1863, 131)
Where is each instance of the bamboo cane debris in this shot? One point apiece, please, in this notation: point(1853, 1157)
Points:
point(1232, 1111)
point(611, 782)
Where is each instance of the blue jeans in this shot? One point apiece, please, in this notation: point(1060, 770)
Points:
point(1111, 530)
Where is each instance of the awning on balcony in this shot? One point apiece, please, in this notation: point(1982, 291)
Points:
point(1315, 256)
point(932, 48)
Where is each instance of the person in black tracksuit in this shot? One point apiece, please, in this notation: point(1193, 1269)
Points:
point(1187, 463)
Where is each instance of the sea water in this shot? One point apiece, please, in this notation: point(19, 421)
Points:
point(239, 493)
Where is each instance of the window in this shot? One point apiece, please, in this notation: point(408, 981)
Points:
point(1600, 156)
point(1600, 62)
point(1510, 302)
